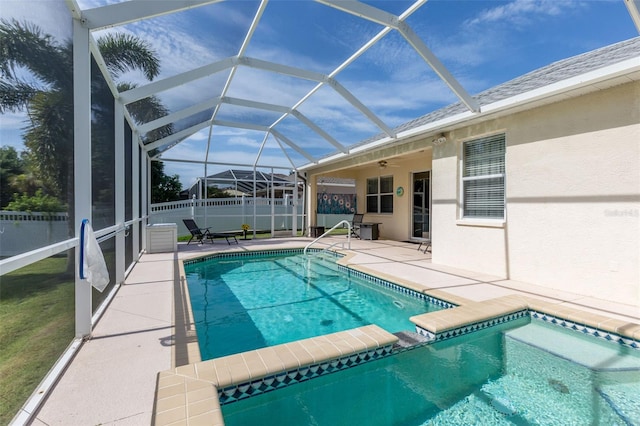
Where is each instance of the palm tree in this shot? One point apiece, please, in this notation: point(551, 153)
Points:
point(47, 97)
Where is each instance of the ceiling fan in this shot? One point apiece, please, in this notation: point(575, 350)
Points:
point(383, 164)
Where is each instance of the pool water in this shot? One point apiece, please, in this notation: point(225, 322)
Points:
point(245, 303)
point(498, 376)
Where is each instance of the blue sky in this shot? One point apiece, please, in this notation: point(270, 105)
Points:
point(481, 43)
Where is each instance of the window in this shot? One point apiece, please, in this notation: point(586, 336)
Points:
point(483, 178)
point(380, 194)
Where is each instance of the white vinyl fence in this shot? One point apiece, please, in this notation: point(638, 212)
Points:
point(21, 232)
point(229, 214)
point(330, 220)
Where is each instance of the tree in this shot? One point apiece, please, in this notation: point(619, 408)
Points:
point(39, 202)
point(163, 188)
point(48, 99)
point(11, 166)
point(214, 192)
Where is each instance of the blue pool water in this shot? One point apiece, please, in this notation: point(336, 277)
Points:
point(521, 373)
point(249, 302)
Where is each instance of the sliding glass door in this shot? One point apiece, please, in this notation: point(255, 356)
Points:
point(421, 206)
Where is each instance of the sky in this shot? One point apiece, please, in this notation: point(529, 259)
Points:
point(481, 43)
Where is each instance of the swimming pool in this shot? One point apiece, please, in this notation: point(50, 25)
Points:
point(521, 372)
point(244, 302)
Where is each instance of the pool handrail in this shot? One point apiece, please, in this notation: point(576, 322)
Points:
point(334, 227)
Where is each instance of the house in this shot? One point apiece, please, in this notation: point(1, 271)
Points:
point(541, 186)
point(237, 183)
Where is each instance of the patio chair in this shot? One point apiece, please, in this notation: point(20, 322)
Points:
point(203, 234)
point(427, 245)
point(355, 224)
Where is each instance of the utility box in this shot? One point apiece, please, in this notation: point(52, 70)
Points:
point(162, 238)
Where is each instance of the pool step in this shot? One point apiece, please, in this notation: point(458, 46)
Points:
point(589, 352)
point(319, 267)
point(628, 411)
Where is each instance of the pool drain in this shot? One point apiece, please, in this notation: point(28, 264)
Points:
point(326, 322)
point(558, 386)
point(398, 304)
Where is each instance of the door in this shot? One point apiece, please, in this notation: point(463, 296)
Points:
point(421, 206)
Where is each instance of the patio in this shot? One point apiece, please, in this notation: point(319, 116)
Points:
point(400, 98)
point(112, 379)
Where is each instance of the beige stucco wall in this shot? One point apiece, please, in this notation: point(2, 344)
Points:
point(410, 158)
point(396, 226)
point(573, 198)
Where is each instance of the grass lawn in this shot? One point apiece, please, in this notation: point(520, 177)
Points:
point(37, 323)
point(36, 326)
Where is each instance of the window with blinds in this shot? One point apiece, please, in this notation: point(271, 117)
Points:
point(483, 175)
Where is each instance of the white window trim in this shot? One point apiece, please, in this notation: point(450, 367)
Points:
point(486, 223)
point(379, 195)
point(472, 221)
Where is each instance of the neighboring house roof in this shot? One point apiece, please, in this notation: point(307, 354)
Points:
point(545, 77)
point(243, 180)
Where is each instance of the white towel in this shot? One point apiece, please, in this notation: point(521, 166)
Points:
point(92, 265)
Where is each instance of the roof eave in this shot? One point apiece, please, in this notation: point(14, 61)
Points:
point(586, 83)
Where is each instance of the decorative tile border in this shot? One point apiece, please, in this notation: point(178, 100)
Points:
point(469, 328)
point(255, 254)
point(395, 287)
point(541, 316)
point(283, 379)
point(348, 271)
point(245, 254)
point(585, 329)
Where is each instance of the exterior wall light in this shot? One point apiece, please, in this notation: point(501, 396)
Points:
point(439, 140)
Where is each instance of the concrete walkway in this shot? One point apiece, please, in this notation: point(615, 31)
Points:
point(112, 379)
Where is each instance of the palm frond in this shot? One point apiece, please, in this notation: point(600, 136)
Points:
point(15, 96)
point(25, 45)
point(125, 52)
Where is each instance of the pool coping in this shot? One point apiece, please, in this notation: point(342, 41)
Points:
point(456, 321)
point(193, 393)
point(184, 398)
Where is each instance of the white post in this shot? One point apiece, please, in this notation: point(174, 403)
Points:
point(135, 192)
point(255, 207)
point(244, 201)
point(273, 207)
point(120, 191)
point(81, 164)
point(294, 209)
point(146, 196)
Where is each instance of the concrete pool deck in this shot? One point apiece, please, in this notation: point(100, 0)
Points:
point(112, 379)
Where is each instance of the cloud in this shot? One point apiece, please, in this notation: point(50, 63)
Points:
point(386, 87)
point(52, 17)
point(521, 12)
point(390, 78)
point(244, 141)
point(11, 129)
point(14, 119)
